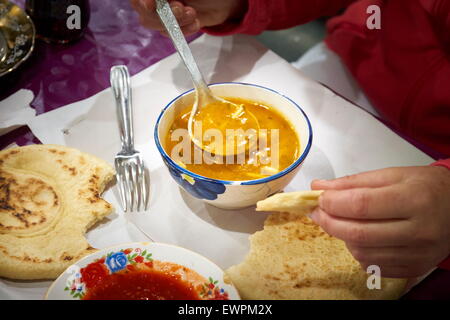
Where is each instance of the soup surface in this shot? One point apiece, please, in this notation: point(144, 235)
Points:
point(277, 148)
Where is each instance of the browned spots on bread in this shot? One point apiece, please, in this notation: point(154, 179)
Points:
point(20, 217)
point(71, 170)
point(28, 259)
point(9, 154)
point(17, 197)
point(271, 277)
point(25, 257)
point(66, 257)
point(94, 179)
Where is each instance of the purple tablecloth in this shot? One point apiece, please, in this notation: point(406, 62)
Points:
point(82, 69)
point(114, 37)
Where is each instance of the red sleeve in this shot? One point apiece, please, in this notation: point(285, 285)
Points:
point(445, 264)
point(278, 14)
point(404, 68)
point(444, 163)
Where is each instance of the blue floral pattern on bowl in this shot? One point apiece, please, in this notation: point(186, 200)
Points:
point(197, 188)
point(116, 262)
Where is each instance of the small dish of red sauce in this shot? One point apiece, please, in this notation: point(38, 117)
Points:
point(142, 271)
point(142, 285)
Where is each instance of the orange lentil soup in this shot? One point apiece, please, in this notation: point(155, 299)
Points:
point(235, 169)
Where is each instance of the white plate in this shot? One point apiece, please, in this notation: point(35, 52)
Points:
point(70, 285)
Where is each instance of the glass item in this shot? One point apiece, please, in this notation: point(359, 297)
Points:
point(16, 37)
point(59, 21)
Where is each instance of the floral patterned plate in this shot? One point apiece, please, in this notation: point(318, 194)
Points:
point(81, 279)
point(17, 35)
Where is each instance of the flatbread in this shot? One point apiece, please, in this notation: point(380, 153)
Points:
point(293, 258)
point(49, 197)
point(299, 202)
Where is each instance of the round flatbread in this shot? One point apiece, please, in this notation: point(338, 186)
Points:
point(49, 197)
point(295, 259)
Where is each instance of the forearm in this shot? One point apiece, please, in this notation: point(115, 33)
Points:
point(263, 15)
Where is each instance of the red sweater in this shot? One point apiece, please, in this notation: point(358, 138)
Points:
point(403, 68)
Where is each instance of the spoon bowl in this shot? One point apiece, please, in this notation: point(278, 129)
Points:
point(236, 133)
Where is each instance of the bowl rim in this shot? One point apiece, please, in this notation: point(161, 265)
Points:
point(140, 244)
point(293, 166)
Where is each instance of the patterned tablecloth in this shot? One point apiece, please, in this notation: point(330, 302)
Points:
point(114, 37)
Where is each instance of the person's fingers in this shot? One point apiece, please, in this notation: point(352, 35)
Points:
point(366, 203)
point(192, 28)
point(153, 24)
point(187, 18)
point(365, 233)
point(187, 29)
point(135, 4)
point(370, 179)
point(149, 5)
point(177, 9)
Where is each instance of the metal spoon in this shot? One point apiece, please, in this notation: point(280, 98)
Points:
point(234, 115)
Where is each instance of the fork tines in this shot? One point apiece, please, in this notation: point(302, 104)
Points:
point(133, 182)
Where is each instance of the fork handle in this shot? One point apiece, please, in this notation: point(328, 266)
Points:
point(120, 83)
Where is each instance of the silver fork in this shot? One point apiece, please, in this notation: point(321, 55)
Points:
point(130, 170)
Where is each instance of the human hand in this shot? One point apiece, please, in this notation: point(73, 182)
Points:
point(395, 218)
point(191, 14)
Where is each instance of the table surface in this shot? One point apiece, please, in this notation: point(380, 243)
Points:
point(114, 37)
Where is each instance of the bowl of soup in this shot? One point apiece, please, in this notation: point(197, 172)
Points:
point(283, 141)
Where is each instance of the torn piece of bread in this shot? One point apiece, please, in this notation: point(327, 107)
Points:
point(49, 197)
point(294, 259)
point(299, 202)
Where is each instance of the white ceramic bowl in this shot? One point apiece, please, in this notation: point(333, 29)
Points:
point(235, 194)
point(70, 285)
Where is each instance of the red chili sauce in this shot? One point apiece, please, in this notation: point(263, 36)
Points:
point(142, 285)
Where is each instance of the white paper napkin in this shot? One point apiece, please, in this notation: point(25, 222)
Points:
point(15, 111)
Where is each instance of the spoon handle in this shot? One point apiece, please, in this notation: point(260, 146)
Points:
point(173, 29)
